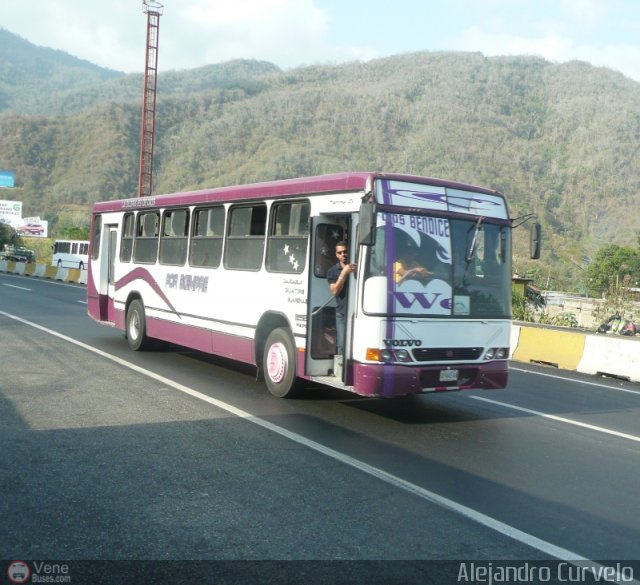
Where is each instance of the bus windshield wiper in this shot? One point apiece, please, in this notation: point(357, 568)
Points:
point(474, 241)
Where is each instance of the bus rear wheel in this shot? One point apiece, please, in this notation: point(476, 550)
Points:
point(137, 327)
point(279, 363)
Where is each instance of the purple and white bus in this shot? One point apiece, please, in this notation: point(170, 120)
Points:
point(241, 272)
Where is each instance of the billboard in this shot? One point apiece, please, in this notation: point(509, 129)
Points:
point(11, 212)
point(32, 227)
point(7, 179)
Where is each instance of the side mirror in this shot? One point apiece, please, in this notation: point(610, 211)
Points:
point(367, 225)
point(534, 242)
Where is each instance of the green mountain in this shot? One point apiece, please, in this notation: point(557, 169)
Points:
point(561, 140)
point(28, 72)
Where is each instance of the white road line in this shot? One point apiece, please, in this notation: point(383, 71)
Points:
point(583, 382)
point(487, 521)
point(19, 287)
point(560, 419)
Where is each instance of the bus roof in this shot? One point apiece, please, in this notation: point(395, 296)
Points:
point(304, 186)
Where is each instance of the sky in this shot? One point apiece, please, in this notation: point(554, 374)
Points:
point(293, 33)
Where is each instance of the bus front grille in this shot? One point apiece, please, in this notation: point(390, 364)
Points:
point(443, 354)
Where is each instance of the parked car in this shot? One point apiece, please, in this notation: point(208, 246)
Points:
point(30, 229)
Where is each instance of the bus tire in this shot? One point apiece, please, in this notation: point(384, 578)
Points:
point(137, 327)
point(279, 364)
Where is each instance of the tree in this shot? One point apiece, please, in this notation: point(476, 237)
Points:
point(74, 233)
point(612, 265)
point(8, 236)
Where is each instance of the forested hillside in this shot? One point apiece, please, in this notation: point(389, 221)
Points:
point(558, 139)
point(29, 73)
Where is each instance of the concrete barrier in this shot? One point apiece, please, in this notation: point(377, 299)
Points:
point(579, 351)
point(44, 271)
point(19, 268)
point(30, 269)
point(73, 275)
point(515, 336)
point(50, 272)
point(560, 348)
point(40, 270)
point(611, 355)
point(62, 274)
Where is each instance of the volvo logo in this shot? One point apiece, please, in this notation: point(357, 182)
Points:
point(402, 342)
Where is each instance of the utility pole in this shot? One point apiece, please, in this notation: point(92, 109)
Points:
point(153, 11)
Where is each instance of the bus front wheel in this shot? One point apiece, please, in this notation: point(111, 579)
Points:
point(279, 363)
point(137, 327)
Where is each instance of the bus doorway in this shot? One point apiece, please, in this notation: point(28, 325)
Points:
point(106, 266)
point(321, 355)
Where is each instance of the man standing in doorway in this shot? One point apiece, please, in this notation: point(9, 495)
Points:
point(337, 277)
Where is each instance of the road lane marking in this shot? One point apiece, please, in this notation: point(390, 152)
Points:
point(585, 382)
point(478, 517)
point(560, 419)
point(19, 287)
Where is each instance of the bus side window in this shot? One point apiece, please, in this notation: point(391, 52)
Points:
point(145, 248)
point(245, 237)
point(126, 244)
point(97, 232)
point(174, 242)
point(207, 236)
point(288, 237)
point(377, 254)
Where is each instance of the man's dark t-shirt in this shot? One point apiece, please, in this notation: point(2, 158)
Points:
point(332, 276)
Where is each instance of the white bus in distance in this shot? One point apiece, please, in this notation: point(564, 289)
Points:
point(70, 254)
point(241, 272)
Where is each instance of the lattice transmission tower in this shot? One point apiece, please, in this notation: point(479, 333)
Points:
point(153, 11)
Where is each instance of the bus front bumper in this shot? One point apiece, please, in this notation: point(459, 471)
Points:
point(389, 380)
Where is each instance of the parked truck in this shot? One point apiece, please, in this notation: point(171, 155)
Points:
point(17, 254)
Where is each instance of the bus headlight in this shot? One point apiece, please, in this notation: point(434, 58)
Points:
point(388, 355)
point(402, 355)
point(496, 353)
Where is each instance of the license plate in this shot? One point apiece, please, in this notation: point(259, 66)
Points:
point(448, 375)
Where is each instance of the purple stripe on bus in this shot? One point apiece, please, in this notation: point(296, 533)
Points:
point(144, 275)
point(200, 339)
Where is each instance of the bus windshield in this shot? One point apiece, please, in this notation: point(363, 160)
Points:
point(423, 265)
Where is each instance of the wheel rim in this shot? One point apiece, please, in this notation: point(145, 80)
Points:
point(277, 362)
point(134, 325)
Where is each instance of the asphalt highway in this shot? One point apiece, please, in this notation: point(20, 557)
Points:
point(175, 455)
